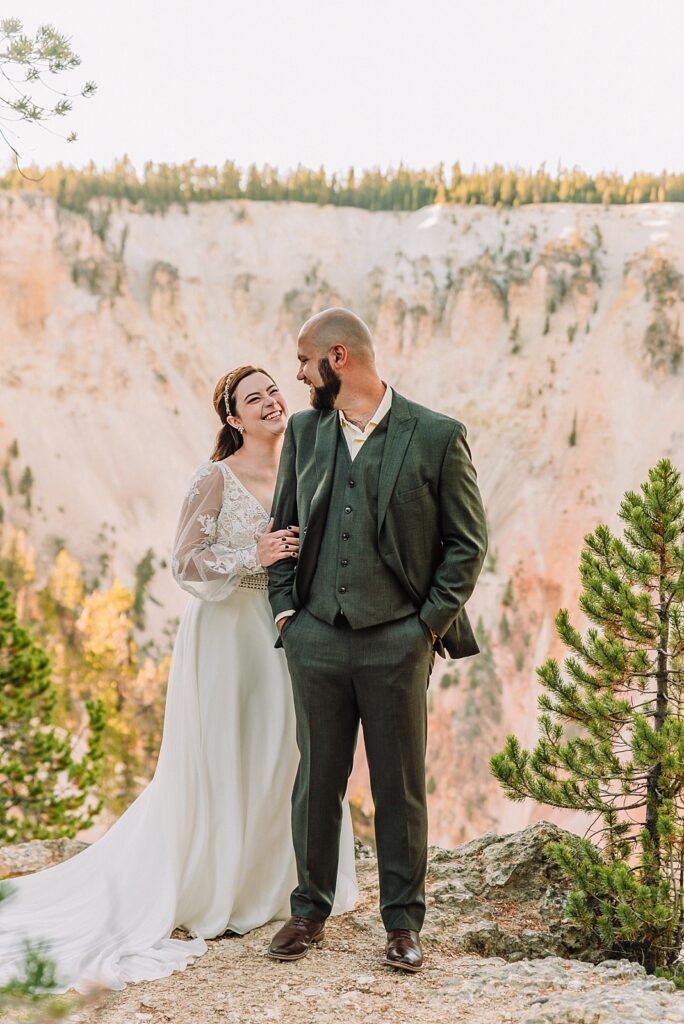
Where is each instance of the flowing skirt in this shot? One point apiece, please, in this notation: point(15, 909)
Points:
point(208, 844)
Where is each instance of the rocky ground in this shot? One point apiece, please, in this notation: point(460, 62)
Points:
point(497, 894)
point(345, 980)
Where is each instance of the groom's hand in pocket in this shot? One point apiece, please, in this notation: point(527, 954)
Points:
point(284, 618)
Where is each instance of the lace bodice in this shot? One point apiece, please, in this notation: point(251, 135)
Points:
point(215, 547)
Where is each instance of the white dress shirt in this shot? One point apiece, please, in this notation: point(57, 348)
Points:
point(353, 435)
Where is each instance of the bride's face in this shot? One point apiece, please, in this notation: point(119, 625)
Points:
point(260, 408)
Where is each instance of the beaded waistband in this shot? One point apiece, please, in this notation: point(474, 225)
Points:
point(255, 581)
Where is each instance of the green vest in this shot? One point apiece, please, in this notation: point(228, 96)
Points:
point(350, 576)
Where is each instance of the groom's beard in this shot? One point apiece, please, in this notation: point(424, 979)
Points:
point(323, 398)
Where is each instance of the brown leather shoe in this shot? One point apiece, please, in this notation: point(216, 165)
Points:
point(294, 938)
point(403, 950)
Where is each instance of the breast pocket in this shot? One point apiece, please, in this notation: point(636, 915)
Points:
point(414, 494)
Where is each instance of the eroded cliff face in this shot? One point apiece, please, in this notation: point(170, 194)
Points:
point(552, 332)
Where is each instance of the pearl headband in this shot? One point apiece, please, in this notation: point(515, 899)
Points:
point(226, 390)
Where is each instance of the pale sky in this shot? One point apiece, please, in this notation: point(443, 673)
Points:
point(593, 83)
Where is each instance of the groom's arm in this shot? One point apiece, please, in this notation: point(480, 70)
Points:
point(464, 537)
point(281, 575)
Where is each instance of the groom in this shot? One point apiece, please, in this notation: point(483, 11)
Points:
point(392, 539)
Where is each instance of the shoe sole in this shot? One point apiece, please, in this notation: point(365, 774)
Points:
point(296, 956)
point(403, 967)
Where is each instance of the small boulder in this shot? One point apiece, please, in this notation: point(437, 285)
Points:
point(25, 858)
point(504, 896)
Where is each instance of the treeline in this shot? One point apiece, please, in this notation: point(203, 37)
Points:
point(161, 185)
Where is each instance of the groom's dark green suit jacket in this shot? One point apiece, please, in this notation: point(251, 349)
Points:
point(431, 526)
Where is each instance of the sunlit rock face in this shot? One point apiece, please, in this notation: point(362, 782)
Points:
point(553, 332)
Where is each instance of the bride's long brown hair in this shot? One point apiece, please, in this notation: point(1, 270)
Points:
point(228, 439)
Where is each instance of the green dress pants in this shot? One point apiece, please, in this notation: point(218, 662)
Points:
point(377, 676)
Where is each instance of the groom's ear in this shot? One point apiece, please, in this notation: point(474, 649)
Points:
point(338, 356)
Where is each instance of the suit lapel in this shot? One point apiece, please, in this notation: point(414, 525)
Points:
point(325, 451)
point(399, 432)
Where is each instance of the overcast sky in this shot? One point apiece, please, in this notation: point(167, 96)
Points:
point(593, 83)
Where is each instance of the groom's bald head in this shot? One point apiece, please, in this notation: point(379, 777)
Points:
point(339, 326)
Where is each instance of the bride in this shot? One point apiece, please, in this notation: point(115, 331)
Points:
point(207, 845)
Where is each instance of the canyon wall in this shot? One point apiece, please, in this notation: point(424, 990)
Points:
point(553, 332)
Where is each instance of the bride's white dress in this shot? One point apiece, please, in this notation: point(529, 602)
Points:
point(208, 843)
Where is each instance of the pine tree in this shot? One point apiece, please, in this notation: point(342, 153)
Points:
point(612, 730)
point(29, 66)
point(45, 792)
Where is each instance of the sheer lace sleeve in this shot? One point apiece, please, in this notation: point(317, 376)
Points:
point(202, 564)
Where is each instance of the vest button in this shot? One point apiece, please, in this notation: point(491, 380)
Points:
point(344, 562)
point(345, 536)
point(348, 509)
point(352, 483)
point(343, 590)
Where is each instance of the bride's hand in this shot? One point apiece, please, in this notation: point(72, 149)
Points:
point(273, 546)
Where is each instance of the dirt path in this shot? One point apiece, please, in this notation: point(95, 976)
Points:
point(345, 980)
point(342, 980)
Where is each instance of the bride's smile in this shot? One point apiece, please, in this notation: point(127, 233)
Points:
point(260, 409)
